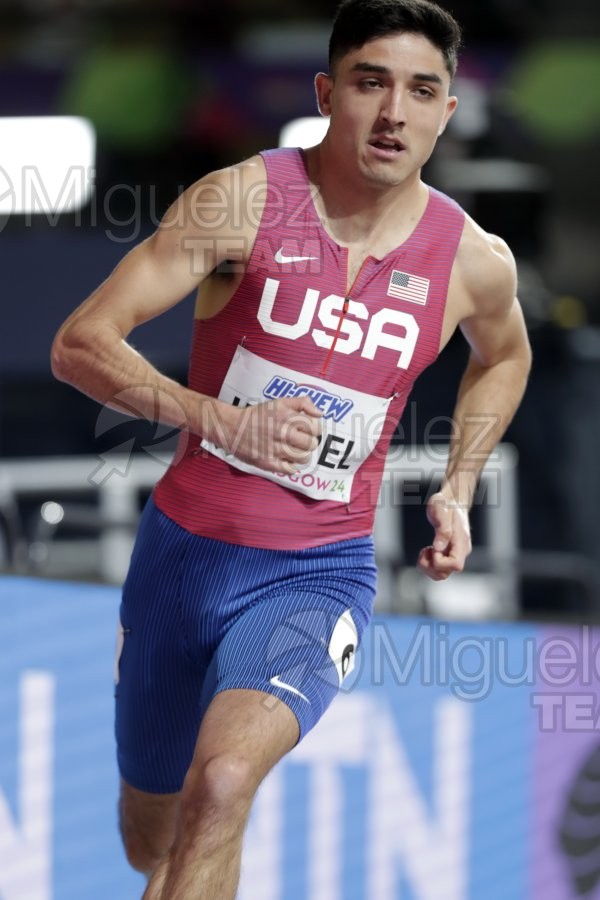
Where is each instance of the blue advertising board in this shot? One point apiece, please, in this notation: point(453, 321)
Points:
point(422, 781)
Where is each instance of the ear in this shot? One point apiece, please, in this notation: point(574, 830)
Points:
point(323, 88)
point(450, 108)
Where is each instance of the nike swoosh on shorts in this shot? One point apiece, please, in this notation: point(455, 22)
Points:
point(277, 682)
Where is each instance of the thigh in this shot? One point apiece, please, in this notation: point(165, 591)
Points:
point(158, 685)
point(239, 724)
point(200, 618)
point(295, 648)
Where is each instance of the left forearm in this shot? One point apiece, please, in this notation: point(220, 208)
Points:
point(488, 398)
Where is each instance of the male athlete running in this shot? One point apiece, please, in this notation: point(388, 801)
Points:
point(327, 279)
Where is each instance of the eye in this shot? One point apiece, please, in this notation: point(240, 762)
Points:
point(424, 92)
point(370, 83)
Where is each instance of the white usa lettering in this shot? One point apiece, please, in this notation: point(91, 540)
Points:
point(351, 337)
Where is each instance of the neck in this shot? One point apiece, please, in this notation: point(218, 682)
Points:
point(355, 209)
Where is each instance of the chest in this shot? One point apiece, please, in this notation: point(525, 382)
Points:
point(364, 337)
point(355, 260)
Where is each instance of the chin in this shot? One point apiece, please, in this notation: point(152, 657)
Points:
point(384, 178)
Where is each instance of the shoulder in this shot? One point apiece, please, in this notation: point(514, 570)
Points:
point(484, 298)
point(484, 272)
point(216, 215)
point(211, 200)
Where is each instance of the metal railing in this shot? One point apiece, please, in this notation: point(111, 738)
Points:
point(117, 488)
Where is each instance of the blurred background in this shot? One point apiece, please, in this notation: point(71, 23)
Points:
point(175, 89)
point(462, 762)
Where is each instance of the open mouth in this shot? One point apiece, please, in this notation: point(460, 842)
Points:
point(387, 145)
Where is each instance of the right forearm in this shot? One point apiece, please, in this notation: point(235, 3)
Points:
point(108, 369)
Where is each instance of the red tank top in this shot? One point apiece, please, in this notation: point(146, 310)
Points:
point(292, 328)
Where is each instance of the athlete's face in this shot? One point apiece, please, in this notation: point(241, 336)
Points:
point(388, 102)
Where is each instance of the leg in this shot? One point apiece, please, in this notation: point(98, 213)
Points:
point(218, 678)
point(147, 825)
point(157, 694)
point(274, 673)
point(241, 739)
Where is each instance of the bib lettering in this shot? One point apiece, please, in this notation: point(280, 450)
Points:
point(351, 425)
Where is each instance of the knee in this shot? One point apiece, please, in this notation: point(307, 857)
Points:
point(142, 850)
point(223, 783)
point(139, 855)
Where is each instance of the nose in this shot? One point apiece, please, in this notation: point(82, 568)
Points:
point(392, 109)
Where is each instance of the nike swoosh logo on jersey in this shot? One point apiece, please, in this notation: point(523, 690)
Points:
point(277, 682)
point(281, 259)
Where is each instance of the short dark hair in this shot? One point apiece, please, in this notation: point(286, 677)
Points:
point(359, 21)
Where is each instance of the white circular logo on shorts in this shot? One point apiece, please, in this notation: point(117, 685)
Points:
point(342, 645)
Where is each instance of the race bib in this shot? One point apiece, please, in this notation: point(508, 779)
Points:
point(351, 425)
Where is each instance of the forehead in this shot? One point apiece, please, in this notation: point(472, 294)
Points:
point(401, 53)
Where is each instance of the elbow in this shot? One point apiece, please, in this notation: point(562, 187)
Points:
point(65, 355)
point(59, 358)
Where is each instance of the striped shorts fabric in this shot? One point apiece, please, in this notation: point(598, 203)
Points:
point(199, 616)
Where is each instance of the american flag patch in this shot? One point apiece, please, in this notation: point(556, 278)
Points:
point(408, 287)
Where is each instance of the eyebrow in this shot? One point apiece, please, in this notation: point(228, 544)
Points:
point(431, 77)
point(370, 67)
point(428, 76)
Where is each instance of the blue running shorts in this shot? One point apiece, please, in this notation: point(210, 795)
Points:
point(200, 616)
